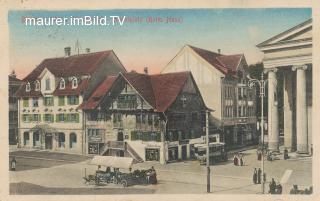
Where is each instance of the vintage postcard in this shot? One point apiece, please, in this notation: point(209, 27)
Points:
point(212, 100)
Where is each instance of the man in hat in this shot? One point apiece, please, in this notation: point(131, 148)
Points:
point(255, 174)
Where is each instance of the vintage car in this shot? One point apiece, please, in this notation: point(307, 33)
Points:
point(137, 177)
point(217, 152)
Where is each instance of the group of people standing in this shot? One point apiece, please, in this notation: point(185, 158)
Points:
point(238, 160)
point(257, 176)
point(273, 187)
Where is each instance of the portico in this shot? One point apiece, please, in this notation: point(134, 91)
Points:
point(288, 65)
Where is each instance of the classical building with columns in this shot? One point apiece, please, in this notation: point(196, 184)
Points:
point(288, 65)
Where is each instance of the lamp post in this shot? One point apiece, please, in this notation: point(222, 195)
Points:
point(262, 84)
point(208, 151)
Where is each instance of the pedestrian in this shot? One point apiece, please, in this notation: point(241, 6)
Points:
point(241, 160)
point(13, 164)
point(259, 176)
point(285, 154)
point(235, 160)
point(272, 187)
point(255, 176)
point(259, 155)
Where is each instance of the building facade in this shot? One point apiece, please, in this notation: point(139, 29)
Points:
point(147, 117)
point(14, 85)
point(49, 117)
point(288, 63)
point(223, 85)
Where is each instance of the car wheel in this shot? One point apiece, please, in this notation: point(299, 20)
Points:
point(124, 183)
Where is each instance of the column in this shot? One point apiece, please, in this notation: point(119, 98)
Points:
point(301, 109)
point(288, 108)
point(273, 119)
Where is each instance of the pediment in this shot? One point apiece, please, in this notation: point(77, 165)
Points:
point(299, 33)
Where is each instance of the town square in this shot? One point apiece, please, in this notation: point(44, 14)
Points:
point(198, 105)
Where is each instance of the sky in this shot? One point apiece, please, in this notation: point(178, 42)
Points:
point(144, 44)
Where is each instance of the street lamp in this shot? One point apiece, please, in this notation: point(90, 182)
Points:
point(262, 85)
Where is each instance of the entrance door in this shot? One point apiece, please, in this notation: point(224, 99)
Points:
point(120, 136)
point(48, 141)
point(184, 152)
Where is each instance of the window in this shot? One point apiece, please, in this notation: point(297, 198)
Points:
point(73, 140)
point(117, 120)
point(48, 117)
point(37, 86)
point(28, 88)
point(35, 102)
point(62, 84)
point(25, 118)
point(48, 84)
point(62, 140)
point(74, 83)
point(73, 100)
point(36, 117)
point(74, 117)
point(127, 101)
point(61, 117)
point(61, 101)
point(48, 101)
point(25, 102)
point(183, 100)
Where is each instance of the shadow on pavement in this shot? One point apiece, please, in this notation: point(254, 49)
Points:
point(24, 188)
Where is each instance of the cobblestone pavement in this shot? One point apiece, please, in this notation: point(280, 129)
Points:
point(179, 177)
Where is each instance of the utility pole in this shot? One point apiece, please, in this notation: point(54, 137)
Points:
point(208, 152)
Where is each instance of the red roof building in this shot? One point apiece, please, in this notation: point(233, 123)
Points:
point(141, 109)
point(50, 96)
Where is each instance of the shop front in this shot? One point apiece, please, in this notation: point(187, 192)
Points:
point(152, 154)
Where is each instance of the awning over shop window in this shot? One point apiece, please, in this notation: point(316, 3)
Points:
point(112, 161)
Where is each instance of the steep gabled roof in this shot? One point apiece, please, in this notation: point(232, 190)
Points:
point(98, 94)
point(159, 90)
point(227, 64)
point(83, 64)
point(230, 61)
point(166, 88)
point(141, 83)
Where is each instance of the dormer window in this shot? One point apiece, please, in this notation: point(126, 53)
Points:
point(37, 85)
point(48, 86)
point(62, 84)
point(28, 88)
point(74, 83)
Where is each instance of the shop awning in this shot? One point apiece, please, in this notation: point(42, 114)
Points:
point(112, 161)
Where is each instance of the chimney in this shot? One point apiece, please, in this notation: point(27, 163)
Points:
point(87, 50)
point(219, 51)
point(67, 51)
point(13, 74)
point(145, 70)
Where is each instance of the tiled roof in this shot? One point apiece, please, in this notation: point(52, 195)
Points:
point(142, 83)
point(224, 63)
point(230, 61)
point(160, 90)
point(68, 88)
point(98, 94)
point(83, 64)
point(31, 94)
point(166, 88)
